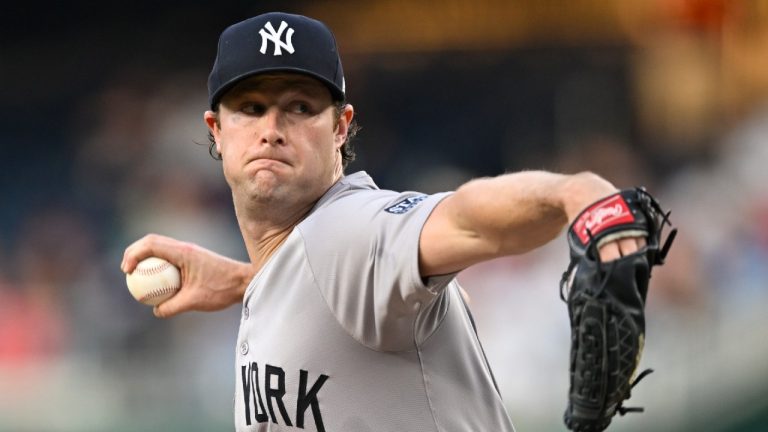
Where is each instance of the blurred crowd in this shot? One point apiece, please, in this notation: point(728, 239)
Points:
point(73, 341)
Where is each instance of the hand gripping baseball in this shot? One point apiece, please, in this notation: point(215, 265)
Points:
point(208, 281)
point(606, 302)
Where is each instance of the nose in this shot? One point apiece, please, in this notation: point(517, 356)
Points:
point(271, 127)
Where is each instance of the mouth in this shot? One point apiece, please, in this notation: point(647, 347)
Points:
point(267, 162)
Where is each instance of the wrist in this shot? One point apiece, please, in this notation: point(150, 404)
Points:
point(583, 189)
point(244, 276)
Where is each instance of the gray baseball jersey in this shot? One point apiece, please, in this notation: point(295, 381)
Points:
point(340, 333)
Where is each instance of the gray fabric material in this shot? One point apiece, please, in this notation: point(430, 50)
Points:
point(342, 299)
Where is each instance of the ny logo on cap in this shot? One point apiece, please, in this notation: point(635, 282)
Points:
point(275, 36)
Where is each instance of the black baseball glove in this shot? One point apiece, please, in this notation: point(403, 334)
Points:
point(606, 303)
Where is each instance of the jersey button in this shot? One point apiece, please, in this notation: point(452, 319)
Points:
point(244, 348)
point(246, 312)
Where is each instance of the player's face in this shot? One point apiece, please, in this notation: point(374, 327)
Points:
point(279, 138)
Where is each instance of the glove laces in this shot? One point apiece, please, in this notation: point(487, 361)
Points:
point(621, 409)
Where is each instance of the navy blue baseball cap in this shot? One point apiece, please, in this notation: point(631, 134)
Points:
point(276, 42)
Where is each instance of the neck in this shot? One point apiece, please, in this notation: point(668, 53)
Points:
point(265, 225)
point(265, 228)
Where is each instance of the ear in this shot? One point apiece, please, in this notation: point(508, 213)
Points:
point(342, 128)
point(212, 121)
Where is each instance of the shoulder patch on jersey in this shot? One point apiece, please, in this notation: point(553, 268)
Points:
point(405, 205)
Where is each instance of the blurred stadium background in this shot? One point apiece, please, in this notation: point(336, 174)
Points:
point(103, 141)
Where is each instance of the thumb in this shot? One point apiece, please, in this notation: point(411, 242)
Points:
point(173, 306)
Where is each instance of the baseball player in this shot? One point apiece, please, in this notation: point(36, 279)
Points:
point(352, 319)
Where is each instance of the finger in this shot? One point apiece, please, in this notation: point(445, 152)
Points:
point(137, 251)
point(628, 246)
point(609, 251)
point(151, 245)
point(160, 314)
point(174, 305)
point(641, 242)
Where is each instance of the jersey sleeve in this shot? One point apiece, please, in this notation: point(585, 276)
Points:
point(362, 249)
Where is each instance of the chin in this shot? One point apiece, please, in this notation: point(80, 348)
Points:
point(264, 190)
point(266, 177)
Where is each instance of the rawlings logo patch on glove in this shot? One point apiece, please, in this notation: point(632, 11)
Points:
point(604, 214)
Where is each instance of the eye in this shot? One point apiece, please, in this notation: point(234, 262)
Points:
point(299, 107)
point(253, 109)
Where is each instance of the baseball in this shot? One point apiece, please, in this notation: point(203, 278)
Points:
point(153, 281)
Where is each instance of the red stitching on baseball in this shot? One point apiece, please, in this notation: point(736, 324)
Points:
point(149, 271)
point(159, 292)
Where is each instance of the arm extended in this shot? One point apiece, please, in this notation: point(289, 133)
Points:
point(510, 214)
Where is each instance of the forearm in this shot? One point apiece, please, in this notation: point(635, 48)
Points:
point(519, 212)
point(510, 214)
